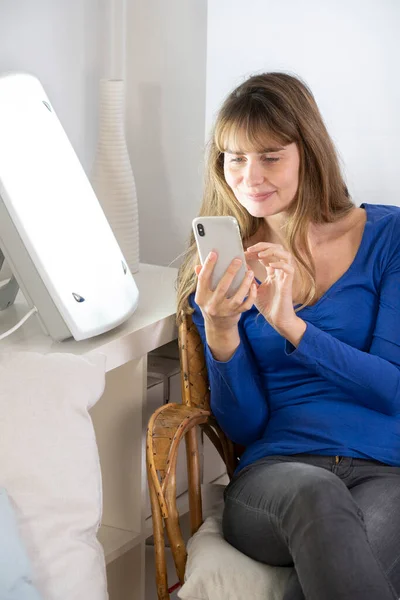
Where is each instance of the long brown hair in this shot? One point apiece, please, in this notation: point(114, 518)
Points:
point(277, 106)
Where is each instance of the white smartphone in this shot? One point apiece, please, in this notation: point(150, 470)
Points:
point(221, 235)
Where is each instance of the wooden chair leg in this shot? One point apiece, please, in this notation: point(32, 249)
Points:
point(159, 545)
point(195, 504)
point(174, 532)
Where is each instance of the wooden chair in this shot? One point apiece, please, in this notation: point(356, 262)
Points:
point(166, 429)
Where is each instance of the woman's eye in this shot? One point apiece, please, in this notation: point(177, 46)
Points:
point(271, 159)
point(237, 160)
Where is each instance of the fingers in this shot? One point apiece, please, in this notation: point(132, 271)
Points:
point(270, 272)
point(261, 246)
point(267, 253)
point(216, 299)
point(226, 280)
point(249, 255)
point(282, 266)
point(243, 291)
point(207, 268)
point(204, 273)
point(273, 254)
point(251, 298)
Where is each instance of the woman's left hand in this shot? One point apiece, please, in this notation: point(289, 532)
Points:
point(275, 294)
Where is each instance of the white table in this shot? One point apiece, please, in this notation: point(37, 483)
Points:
point(118, 416)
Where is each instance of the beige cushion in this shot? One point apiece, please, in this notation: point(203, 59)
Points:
point(49, 465)
point(217, 571)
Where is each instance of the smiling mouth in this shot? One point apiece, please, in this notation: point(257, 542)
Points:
point(260, 197)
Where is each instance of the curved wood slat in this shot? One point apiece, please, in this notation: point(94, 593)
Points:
point(167, 426)
point(159, 547)
point(194, 481)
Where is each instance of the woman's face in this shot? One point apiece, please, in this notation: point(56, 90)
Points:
point(264, 183)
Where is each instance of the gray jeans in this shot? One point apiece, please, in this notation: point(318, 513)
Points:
point(336, 519)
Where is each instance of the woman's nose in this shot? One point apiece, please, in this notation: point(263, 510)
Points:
point(253, 175)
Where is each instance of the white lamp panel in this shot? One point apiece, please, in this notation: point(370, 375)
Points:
point(57, 215)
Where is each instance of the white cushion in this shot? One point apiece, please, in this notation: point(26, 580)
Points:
point(49, 465)
point(215, 570)
point(15, 570)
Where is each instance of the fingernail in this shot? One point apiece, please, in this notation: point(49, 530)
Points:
point(250, 274)
point(212, 256)
point(237, 262)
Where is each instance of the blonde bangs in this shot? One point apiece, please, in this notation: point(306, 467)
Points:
point(251, 131)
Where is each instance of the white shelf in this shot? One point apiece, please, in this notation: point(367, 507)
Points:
point(151, 325)
point(117, 541)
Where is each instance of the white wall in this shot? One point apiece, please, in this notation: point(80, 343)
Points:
point(56, 40)
point(166, 72)
point(347, 51)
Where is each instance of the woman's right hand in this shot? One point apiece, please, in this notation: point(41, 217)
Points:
point(220, 312)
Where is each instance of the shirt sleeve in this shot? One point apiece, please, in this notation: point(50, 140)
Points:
point(237, 399)
point(370, 378)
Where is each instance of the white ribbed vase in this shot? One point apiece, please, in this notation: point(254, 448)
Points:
point(112, 176)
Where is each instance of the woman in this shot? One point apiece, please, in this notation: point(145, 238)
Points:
point(304, 360)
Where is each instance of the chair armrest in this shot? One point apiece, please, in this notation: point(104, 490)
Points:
point(166, 428)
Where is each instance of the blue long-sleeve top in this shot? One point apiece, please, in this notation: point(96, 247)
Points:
point(338, 392)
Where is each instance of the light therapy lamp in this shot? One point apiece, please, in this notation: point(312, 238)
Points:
point(53, 232)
